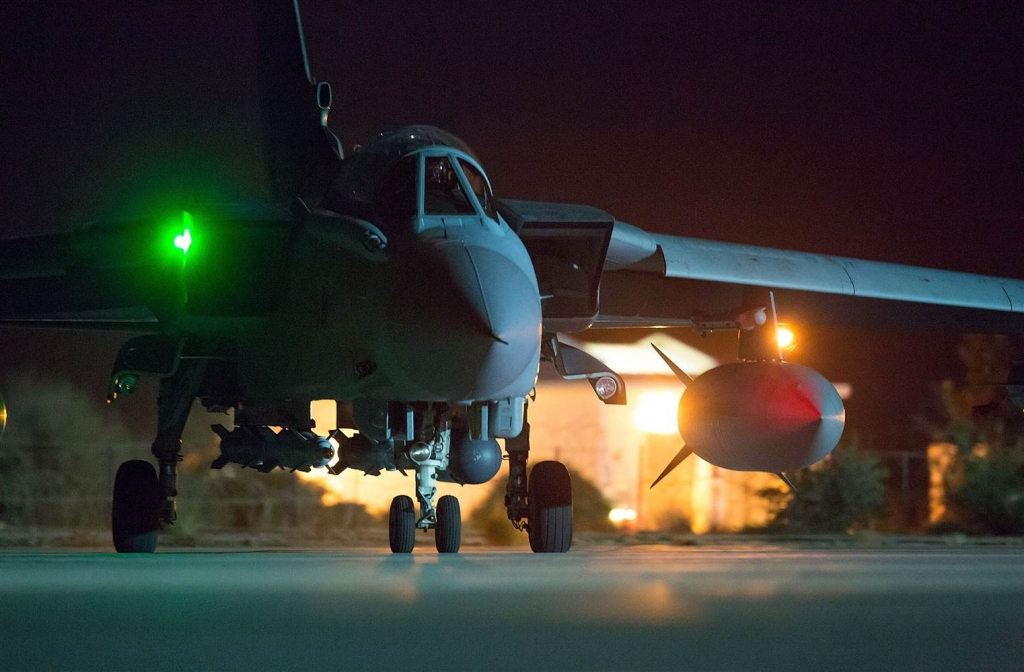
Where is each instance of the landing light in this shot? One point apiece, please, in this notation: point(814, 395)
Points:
point(419, 452)
point(606, 387)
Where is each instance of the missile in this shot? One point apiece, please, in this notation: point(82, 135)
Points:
point(262, 449)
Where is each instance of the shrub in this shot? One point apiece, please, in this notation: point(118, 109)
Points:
point(989, 498)
point(842, 493)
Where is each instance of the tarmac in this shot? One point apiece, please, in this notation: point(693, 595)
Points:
point(757, 607)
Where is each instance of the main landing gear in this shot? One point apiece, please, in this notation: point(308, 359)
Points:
point(135, 511)
point(545, 500)
point(142, 499)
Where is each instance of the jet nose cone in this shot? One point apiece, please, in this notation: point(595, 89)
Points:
point(465, 323)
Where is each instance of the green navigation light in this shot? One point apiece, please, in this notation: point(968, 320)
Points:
point(184, 240)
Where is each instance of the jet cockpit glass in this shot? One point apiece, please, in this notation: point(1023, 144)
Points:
point(395, 198)
point(442, 190)
point(478, 183)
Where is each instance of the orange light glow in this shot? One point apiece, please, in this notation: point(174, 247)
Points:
point(701, 495)
point(785, 336)
point(655, 412)
point(620, 516)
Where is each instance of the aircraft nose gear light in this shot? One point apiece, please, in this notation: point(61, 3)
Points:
point(606, 387)
point(419, 452)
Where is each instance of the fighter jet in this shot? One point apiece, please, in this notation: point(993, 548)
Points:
point(392, 280)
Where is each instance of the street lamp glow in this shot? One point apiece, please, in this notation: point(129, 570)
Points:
point(655, 412)
point(619, 516)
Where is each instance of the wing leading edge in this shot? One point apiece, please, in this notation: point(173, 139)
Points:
point(656, 280)
point(743, 264)
point(695, 282)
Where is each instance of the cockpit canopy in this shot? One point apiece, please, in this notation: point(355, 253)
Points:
point(416, 170)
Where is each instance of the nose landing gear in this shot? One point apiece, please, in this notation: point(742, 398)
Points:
point(402, 525)
point(448, 531)
point(445, 518)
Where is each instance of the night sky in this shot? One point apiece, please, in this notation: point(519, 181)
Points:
point(887, 131)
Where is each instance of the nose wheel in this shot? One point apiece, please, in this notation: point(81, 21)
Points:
point(402, 525)
point(448, 531)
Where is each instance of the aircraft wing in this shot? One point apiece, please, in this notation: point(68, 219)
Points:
point(94, 277)
point(137, 274)
point(656, 280)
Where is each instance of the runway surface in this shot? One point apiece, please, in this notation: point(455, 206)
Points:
point(640, 608)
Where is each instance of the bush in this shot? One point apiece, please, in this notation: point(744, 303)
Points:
point(58, 455)
point(989, 499)
point(842, 493)
point(61, 450)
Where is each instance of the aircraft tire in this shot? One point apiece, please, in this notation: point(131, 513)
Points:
point(550, 500)
point(135, 510)
point(402, 525)
point(448, 533)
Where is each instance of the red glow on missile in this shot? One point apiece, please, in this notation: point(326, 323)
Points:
point(798, 405)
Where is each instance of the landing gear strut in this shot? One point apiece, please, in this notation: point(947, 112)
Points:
point(429, 453)
point(143, 500)
point(544, 501)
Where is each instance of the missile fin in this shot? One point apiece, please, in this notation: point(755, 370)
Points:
point(680, 374)
point(785, 479)
point(683, 453)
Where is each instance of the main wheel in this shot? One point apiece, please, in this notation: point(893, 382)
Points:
point(448, 532)
point(550, 500)
point(402, 525)
point(135, 510)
